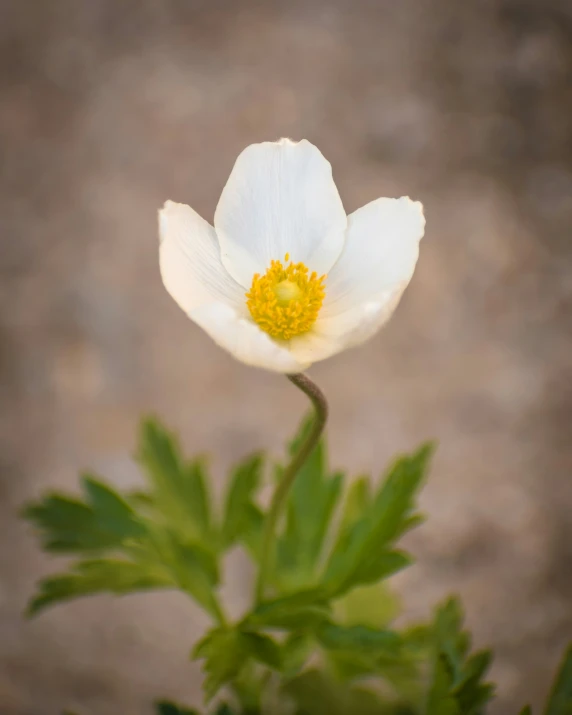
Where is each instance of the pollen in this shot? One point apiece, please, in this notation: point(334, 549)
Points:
point(286, 300)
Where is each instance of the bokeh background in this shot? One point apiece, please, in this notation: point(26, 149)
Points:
point(109, 107)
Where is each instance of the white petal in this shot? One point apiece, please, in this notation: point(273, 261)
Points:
point(313, 346)
point(345, 330)
point(379, 255)
point(365, 286)
point(280, 198)
point(189, 257)
point(244, 339)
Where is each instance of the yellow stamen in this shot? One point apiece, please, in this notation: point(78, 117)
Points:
point(286, 300)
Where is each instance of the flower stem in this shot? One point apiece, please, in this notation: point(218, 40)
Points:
point(279, 497)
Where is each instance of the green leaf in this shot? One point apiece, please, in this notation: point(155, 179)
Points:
point(472, 694)
point(98, 576)
point(192, 567)
point(179, 489)
point(241, 515)
point(452, 641)
point(356, 503)
point(457, 677)
point(305, 618)
point(263, 649)
point(311, 503)
point(67, 525)
point(361, 554)
point(224, 656)
point(360, 639)
point(560, 701)
point(296, 650)
point(166, 707)
point(304, 610)
point(358, 651)
point(146, 540)
point(252, 531)
point(314, 693)
point(113, 512)
point(226, 651)
point(375, 567)
point(373, 605)
point(527, 710)
point(440, 700)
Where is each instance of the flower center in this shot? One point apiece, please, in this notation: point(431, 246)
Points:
point(286, 300)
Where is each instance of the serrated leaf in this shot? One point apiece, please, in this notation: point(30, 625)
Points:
point(68, 525)
point(560, 700)
point(115, 576)
point(440, 700)
point(179, 488)
point(224, 656)
point(263, 649)
point(225, 652)
point(361, 554)
point(241, 514)
point(114, 513)
point(375, 568)
point(192, 567)
point(453, 642)
point(311, 503)
point(298, 611)
point(457, 676)
point(474, 695)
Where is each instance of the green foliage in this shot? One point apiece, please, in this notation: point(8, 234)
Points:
point(161, 538)
point(243, 519)
point(373, 605)
point(117, 576)
point(301, 611)
point(314, 692)
point(104, 520)
point(363, 552)
point(560, 701)
point(324, 638)
point(311, 504)
point(457, 686)
point(227, 651)
point(178, 492)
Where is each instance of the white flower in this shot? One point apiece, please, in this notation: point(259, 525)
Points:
point(285, 278)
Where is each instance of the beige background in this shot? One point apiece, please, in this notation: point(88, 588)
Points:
point(107, 108)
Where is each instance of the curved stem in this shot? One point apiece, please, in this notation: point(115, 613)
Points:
point(279, 497)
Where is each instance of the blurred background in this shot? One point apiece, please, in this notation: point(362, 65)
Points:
point(109, 107)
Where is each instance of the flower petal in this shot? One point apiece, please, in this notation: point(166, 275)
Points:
point(189, 258)
point(365, 286)
point(345, 330)
point(280, 198)
point(379, 255)
point(244, 339)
